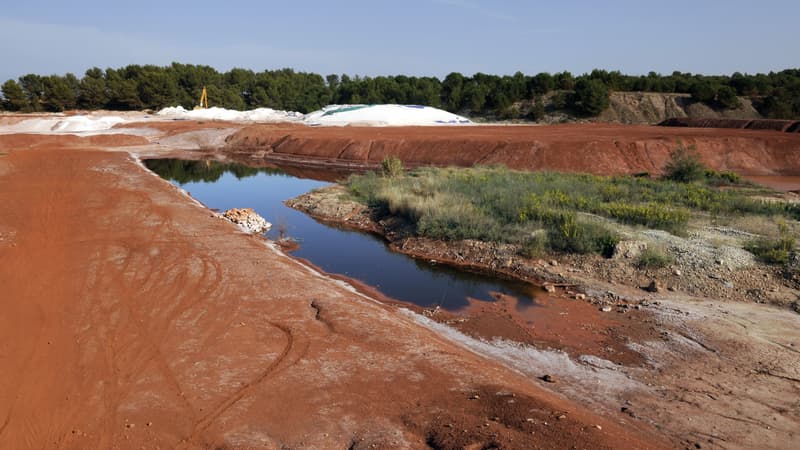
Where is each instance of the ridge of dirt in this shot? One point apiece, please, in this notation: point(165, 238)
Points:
point(603, 149)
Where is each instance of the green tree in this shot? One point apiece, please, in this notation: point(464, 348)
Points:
point(591, 97)
point(476, 94)
point(453, 92)
point(332, 80)
point(58, 93)
point(565, 81)
point(703, 91)
point(14, 98)
point(33, 87)
point(122, 92)
point(156, 88)
point(727, 98)
point(92, 93)
point(542, 83)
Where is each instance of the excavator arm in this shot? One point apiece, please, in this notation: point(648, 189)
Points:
point(203, 100)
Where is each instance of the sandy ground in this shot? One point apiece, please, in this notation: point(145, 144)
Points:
point(133, 317)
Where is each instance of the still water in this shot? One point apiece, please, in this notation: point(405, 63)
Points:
point(358, 255)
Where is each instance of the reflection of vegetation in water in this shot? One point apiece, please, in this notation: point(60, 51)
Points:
point(184, 171)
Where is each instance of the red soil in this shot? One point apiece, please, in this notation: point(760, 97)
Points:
point(132, 317)
point(30, 141)
point(557, 321)
point(594, 148)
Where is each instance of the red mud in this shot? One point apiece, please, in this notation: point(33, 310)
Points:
point(593, 148)
point(556, 321)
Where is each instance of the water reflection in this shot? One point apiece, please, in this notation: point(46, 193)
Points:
point(183, 171)
point(362, 256)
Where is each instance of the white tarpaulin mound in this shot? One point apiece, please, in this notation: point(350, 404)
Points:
point(66, 125)
point(382, 115)
point(215, 113)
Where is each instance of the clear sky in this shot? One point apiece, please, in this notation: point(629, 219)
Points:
point(412, 37)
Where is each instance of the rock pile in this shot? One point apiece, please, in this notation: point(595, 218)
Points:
point(247, 219)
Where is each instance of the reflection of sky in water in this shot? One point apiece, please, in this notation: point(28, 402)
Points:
point(358, 255)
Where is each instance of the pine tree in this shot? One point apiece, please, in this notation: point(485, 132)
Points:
point(14, 97)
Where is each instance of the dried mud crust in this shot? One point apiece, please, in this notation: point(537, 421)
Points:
point(134, 317)
point(721, 369)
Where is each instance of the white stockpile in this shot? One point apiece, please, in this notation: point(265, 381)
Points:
point(382, 115)
point(333, 115)
point(254, 115)
point(64, 124)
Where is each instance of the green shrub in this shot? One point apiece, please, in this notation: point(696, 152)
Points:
point(715, 178)
point(653, 215)
point(535, 246)
point(654, 258)
point(684, 165)
point(391, 167)
point(773, 250)
point(573, 236)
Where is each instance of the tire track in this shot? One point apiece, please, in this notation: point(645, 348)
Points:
point(204, 423)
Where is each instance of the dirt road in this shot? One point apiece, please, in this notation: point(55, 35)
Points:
point(132, 317)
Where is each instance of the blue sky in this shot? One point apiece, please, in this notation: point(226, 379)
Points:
point(413, 37)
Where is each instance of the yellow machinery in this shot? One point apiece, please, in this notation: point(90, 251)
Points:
point(203, 100)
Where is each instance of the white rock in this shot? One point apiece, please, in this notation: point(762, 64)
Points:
point(247, 219)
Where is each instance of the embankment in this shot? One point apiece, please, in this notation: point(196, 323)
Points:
point(787, 126)
point(592, 148)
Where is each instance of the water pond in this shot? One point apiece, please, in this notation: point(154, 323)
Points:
point(354, 254)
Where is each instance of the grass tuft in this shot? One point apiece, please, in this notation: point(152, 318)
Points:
point(654, 258)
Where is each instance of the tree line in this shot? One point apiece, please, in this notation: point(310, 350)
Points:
point(138, 87)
